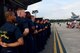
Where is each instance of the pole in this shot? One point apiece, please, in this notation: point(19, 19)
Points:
point(35, 14)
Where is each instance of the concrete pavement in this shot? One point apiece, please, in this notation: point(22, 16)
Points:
point(70, 38)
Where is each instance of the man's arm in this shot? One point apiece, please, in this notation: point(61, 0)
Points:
point(0, 41)
point(26, 31)
point(17, 43)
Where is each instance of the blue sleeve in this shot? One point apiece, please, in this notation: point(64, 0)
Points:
point(31, 23)
point(25, 24)
point(18, 33)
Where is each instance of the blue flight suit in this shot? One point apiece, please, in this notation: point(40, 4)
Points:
point(45, 31)
point(0, 48)
point(31, 46)
point(22, 24)
point(38, 37)
point(12, 34)
point(37, 27)
point(42, 37)
point(48, 30)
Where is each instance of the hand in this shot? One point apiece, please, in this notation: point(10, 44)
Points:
point(3, 44)
point(46, 27)
point(35, 32)
point(26, 31)
point(0, 42)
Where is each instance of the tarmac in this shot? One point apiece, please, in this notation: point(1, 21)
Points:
point(70, 39)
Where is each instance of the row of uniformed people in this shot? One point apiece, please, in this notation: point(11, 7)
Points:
point(28, 31)
point(30, 43)
point(43, 33)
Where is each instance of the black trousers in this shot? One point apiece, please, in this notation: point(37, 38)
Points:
point(9, 50)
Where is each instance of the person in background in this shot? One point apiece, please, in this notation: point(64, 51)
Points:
point(31, 48)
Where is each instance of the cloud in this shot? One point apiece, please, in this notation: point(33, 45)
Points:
point(74, 6)
point(56, 9)
point(33, 7)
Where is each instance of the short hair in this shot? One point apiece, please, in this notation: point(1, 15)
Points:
point(20, 9)
point(32, 16)
point(9, 15)
point(28, 14)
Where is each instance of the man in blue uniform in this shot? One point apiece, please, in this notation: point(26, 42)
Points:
point(39, 34)
point(30, 38)
point(47, 23)
point(10, 35)
point(23, 26)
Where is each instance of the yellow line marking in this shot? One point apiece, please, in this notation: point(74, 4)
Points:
point(60, 46)
point(55, 48)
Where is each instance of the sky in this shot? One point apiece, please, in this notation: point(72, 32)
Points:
point(56, 9)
